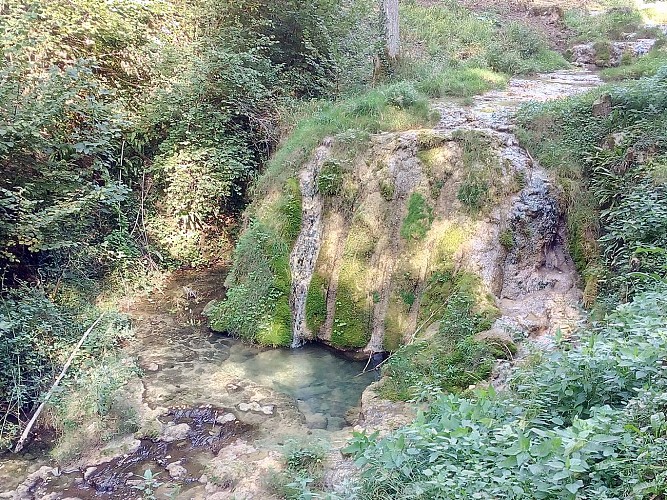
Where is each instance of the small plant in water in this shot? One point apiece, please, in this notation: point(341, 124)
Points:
point(148, 484)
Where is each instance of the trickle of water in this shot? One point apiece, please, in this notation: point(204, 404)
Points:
point(307, 247)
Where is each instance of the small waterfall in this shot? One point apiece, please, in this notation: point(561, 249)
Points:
point(307, 247)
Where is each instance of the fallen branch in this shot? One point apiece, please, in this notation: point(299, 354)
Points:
point(24, 436)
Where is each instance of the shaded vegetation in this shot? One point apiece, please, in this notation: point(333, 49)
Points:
point(611, 169)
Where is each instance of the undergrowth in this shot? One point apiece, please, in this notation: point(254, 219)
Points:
point(451, 359)
point(587, 421)
point(611, 170)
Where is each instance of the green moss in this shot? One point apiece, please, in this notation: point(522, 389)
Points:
point(316, 303)
point(277, 330)
point(351, 324)
point(395, 323)
point(427, 139)
point(602, 53)
point(506, 239)
point(418, 220)
point(480, 185)
point(387, 189)
point(290, 210)
point(330, 179)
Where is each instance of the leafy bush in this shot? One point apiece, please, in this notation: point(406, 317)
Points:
point(609, 168)
point(588, 422)
point(36, 337)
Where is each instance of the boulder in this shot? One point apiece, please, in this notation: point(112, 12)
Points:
point(174, 432)
point(177, 471)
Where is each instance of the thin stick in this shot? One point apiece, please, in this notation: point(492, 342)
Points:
point(24, 436)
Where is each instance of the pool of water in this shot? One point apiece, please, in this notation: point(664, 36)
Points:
point(320, 381)
point(193, 375)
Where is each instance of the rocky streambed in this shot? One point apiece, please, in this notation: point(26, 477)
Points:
point(215, 413)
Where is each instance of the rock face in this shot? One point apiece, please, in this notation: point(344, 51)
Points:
point(411, 205)
point(611, 54)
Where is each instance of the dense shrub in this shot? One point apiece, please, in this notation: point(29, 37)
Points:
point(611, 170)
point(587, 422)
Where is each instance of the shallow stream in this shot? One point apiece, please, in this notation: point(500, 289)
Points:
point(222, 388)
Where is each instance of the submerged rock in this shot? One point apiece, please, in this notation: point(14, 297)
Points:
point(174, 432)
point(177, 471)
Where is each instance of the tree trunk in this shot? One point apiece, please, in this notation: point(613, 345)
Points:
point(389, 23)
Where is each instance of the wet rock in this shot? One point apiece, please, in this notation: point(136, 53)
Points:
point(89, 472)
point(317, 421)
point(177, 471)
point(602, 106)
point(256, 407)
point(174, 432)
point(225, 418)
point(335, 423)
point(25, 489)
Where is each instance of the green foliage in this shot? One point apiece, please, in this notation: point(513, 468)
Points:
point(386, 108)
point(36, 337)
point(330, 179)
point(473, 193)
point(647, 65)
point(148, 483)
point(451, 359)
point(518, 49)
point(609, 168)
point(450, 50)
point(588, 422)
point(418, 220)
point(608, 25)
point(460, 82)
point(303, 474)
